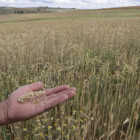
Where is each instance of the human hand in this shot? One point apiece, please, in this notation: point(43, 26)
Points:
point(15, 111)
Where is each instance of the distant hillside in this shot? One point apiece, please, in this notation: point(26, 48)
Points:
point(115, 8)
point(46, 14)
point(14, 10)
point(131, 7)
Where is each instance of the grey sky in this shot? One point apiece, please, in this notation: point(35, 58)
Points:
point(80, 4)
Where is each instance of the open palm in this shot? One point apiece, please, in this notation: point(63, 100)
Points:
point(23, 111)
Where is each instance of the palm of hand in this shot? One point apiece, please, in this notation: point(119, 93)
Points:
point(23, 111)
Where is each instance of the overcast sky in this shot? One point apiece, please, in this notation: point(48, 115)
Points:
point(79, 4)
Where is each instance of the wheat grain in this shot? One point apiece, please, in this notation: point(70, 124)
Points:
point(29, 96)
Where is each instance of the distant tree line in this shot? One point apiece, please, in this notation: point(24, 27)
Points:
point(19, 12)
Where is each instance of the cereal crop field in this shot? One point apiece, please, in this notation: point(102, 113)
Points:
point(97, 52)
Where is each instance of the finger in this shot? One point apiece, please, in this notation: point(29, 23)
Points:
point(56, 89)
point(65, 91)
point(44, 97)
point(36, 86)
point(46, 105)
point(52, 92)
point(62, 92)
point(59, 99)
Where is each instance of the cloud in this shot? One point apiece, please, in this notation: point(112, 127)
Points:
point(10, 1)
point(81, 4)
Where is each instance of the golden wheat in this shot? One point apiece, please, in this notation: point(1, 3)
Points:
point(100, 57)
